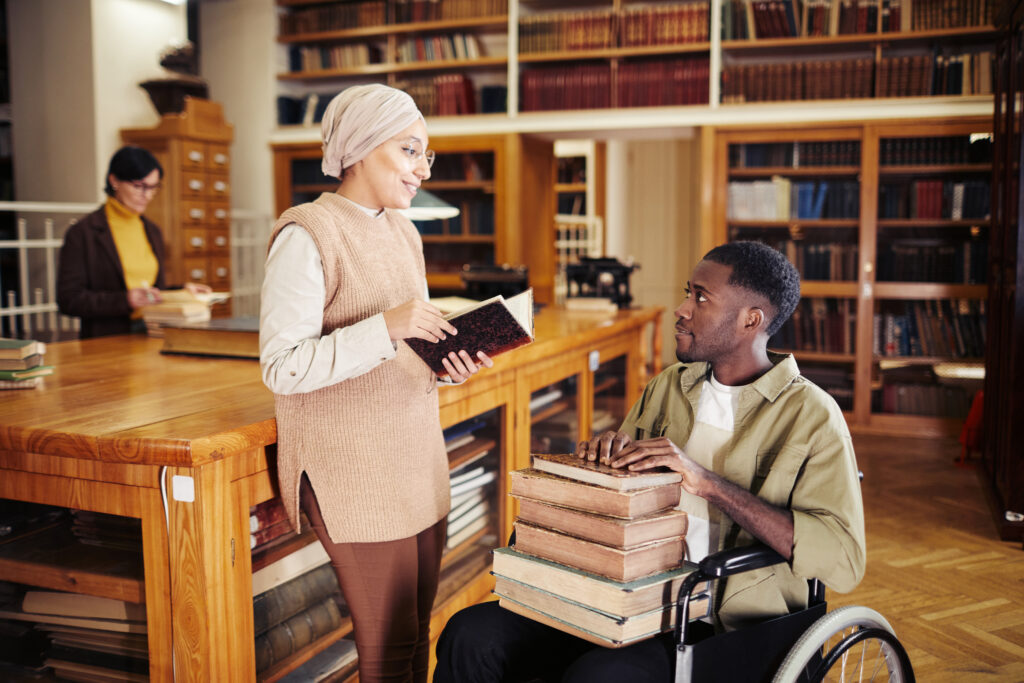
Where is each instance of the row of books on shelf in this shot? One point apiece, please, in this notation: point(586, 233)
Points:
point(821, 260)
point(434, 48)
point(470, 167)
point(339, 16)
point(966, 73)
point(599, 553)
point(22, 363)
point(942, 328)
point(783, 199)
point(820, 325)
point(925, 397)
point(669, 24)
point(472, 483)
point(799, 154)
point(335, 16)
point(929, 260)
point(935, 199)
point(452, 94)
point(660, 82)
point(303, 58)
point(935, 150)
point(753, 19)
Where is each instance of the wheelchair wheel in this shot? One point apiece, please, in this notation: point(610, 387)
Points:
point(850, 644)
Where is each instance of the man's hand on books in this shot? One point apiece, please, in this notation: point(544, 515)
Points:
point(604, 447)
point(461, 366)
point(662, 452)
point(417, 319)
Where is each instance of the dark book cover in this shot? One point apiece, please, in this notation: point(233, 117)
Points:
point(279, 604)
point(294, 634)
point(491, 327)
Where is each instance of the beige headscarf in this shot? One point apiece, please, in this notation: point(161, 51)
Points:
point(359, 119)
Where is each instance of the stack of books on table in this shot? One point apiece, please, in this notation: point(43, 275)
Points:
point(599, 552)
point(179, 306)
point(297, 601)
point(89, 638)
point(21, 363)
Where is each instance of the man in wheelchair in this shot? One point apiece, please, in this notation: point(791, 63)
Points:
point(765, 457)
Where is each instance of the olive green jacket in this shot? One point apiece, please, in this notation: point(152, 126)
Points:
point(791, 448)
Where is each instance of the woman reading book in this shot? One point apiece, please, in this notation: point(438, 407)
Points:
point(360, 447)
point(112, 261)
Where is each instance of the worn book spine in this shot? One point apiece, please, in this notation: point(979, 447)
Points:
point(589, 498)
point(278, 604)
point(614, 563)
point(610, 531)
point(297, 632)
point(264, 514)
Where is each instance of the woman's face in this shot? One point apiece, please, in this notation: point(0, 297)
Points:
point(390, 175)
point(136, 194)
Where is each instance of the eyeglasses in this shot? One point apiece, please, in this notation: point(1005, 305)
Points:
point(143, 187)
point(414, 154)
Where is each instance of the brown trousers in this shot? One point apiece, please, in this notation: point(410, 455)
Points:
point(390, 588)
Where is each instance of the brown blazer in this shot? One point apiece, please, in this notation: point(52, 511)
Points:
point(90, 279)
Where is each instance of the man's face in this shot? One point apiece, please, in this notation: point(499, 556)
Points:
point(708, 320)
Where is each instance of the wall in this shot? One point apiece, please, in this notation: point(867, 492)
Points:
point(75, 69)
point(238, 58)
point(653, 217)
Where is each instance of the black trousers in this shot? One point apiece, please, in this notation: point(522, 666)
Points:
point(487, 643)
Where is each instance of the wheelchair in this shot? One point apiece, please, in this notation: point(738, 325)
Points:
point(852, 643)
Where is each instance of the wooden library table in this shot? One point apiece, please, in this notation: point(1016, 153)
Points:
point(118, 422)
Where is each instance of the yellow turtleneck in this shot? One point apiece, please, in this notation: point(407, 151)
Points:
point(137, 258)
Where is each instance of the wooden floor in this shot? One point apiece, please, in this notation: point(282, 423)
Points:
point(937, 571)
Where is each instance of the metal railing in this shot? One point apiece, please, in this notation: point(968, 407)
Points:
point(31, 235)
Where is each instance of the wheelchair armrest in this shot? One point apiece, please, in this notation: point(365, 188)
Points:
point(736, 560)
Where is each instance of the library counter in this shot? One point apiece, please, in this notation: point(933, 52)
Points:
point(118, 422)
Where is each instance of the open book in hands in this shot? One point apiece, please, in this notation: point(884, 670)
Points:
point(493, 326)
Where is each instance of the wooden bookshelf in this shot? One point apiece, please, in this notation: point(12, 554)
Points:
point(868, 254)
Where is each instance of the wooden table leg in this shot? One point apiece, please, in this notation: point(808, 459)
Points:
point(211, 579)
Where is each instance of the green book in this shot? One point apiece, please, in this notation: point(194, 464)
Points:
point(37, 371)
point(20, 348)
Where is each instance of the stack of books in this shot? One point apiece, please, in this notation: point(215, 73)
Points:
point(89, 638)
point(268, 522)
point(599, 552)
point(21, 363)
point(178, 307)
point(472, 482)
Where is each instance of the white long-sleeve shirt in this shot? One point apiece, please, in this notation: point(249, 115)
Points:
point(294, 357)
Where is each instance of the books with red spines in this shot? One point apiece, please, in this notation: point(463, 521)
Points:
point(266, 513)
point(269, 533)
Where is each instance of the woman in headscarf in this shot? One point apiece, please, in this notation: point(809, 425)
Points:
point(360, 448)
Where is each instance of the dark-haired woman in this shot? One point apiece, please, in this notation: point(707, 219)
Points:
point(112, 261)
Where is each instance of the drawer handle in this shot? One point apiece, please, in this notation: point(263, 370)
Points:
point(195, 184)
point(220, 241)
point(221, 159)
point(220, 214)
point(222, 272)
point(220, 186)
point(197, 242)
point(195, 214)
point(197, 274)
point(195, 155)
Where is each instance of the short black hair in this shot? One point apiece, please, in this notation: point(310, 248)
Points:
point(765, 271)
point(131, 163)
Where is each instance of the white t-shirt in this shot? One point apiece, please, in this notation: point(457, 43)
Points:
point(712, 430)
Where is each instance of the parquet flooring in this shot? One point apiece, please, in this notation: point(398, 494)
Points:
point(937, 571)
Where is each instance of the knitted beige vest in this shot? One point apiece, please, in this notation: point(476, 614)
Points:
point(371, 445)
